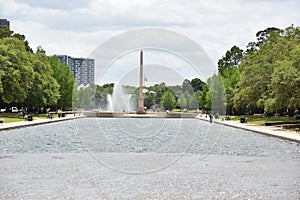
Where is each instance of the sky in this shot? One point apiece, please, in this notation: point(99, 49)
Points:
point(78, 27)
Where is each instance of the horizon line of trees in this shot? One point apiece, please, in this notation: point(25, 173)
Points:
point(191, 95)
point(264, 78)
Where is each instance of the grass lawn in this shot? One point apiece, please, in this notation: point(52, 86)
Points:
point(260, 120)
point(179, 110)
point(13, 117)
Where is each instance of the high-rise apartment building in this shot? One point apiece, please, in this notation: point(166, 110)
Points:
point(82, 68)
point(4, 23)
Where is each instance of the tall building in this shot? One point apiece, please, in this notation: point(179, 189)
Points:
point(82, 68)
point(4, 23)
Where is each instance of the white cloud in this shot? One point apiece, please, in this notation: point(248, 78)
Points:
point(54, 4)
point(78, 27)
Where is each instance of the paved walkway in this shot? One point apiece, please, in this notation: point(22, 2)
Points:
point(266, 130)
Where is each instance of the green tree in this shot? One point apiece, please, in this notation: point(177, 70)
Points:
point(284, 87)
point(109, 87)
point(182, 102)
point(149, 99)
point(66, 81)
point(232, 59)
point(168, 100)
point(251, 47)
point(208, 103)
point(193, 102)
point(202, 98)
point(75, 98)
point(16, 68)
point(86, 98)
point(259, 86)
point(197, 84)
point(231, 78)
point(215, 98)
point(5, 32)
point(100, 97)
point(44, 90)
point(230, 71)
point(263, 36)
point(188, 98)
point(23, 39)
point(159, 89)
point(186, 86)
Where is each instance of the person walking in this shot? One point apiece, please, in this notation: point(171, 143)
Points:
point(59, 113)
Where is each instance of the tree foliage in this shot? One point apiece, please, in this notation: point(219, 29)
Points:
point(168, 100)
point(149, 99)
point(44, 90)
point(269, 79)
point(17, 72)
point(30, 79)
point(215, 98)
point(66, 81)
point(197, 84)
point(182, 102)
point(231, 60)
point(93, 97)
point(230, 71)
point(263, 78)
point(186, 86)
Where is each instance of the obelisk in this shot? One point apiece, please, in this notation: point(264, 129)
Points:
point(141, 98)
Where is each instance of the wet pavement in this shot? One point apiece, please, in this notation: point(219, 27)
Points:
point(145, 159)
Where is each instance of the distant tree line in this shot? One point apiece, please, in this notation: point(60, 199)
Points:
point(191, 95)
point(93, 97)
point(30, 79)
point(264, 78)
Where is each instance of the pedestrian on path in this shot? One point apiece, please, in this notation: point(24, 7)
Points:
point(59, 113)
